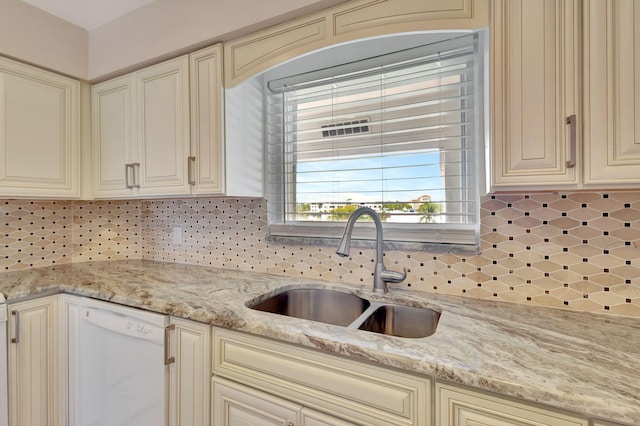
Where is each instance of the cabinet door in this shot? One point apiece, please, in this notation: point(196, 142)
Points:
point(206, 163)
point(237, 405)
point(163, 128)
point(113, 136)
point(190, 373)
point(462, 407)
point(534, 50)
point(33, 381)
point(69, 334)
point(612, 92)
point(40, 133)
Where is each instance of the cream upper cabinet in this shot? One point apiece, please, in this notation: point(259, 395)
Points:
point(462, 407)
point(40, 137)
point(141, 132)
point(114, 136)
point(612, 92)
point(158, 132)
point(33, 362)
point(534, 50)
point(162, 151)
point(206, 163)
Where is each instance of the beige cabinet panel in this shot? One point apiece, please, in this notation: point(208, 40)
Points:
point(462, 407)
point(534, 52)
point(33, 355)
point(237, 405)
point(206, 163)
point(406, 15)
point(612, 92)
point(69, 334)
point(358, 392)
point(40, 137)
point(256, 52)
point(163, 128)
point(189, 373)
point(113, 136)
point(315, 418)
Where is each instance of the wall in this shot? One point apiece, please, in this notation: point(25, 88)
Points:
point(34, 36)
point(166, 28)
point(578, 251)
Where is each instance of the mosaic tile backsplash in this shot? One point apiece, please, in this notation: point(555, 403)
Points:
point(577, 251)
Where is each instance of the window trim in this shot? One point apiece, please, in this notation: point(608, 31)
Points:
point(439, 237)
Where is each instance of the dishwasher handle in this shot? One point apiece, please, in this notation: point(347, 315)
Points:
point(167, 345)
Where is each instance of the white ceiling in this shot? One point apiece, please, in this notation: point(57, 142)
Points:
point(88, 14)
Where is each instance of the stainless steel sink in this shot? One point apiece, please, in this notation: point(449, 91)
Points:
point(328, 306)
point(402, 321)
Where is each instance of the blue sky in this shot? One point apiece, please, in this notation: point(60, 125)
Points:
point(406, 177)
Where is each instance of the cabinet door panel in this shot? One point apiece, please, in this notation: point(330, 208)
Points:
point(32, 363)
point(612, 91)
point(39, 141)
point(462, 407)
point(237, 405)
point(163, 128)
point(314, 418)
point(207, 112)
point(190, 374)
point(113, 135)
point(534, 51)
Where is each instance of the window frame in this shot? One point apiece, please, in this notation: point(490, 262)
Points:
point(431, 237)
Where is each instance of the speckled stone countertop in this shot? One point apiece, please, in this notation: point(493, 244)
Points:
point(585, 363)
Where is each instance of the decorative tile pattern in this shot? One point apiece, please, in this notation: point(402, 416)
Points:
point(577, 251)
point(106, 230)
point(34, 234)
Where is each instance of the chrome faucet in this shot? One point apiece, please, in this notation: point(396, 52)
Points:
point(380, 276)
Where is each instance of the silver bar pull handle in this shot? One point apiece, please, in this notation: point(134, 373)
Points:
point(192, 165)
point(16, 327)
point(136, 174)
point(167, 345)
point(128, 171)
point(571, 121)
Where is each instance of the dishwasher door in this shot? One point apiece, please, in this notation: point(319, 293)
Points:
point(123, 377)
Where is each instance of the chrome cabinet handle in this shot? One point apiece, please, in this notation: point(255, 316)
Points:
point(167, 345)
point(192, 165)
point(16, 327)
point(571, 121)
point(136, 174)
point(126, 175)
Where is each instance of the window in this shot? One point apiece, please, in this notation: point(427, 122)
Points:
point(401, 133)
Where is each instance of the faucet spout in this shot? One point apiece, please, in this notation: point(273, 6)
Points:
point(380, 276)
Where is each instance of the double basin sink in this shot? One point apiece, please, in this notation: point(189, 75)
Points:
point(351, 311)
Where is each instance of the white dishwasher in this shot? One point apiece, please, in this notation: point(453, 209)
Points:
point(4, 409)
point(123, 377)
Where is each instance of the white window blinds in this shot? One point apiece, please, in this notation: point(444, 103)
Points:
point(398, 135)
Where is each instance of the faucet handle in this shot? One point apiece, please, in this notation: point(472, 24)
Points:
point(393, 276)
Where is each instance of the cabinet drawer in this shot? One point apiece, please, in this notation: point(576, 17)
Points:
point(364, 393)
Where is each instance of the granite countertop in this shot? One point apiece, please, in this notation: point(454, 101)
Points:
point(585, 363)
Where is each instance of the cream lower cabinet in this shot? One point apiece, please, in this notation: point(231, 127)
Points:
point(39, 133)
point(238, 405)
point(158, 132)
point(338, 388)
point(189, 373)
point(457, 406)
point(34, 397)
